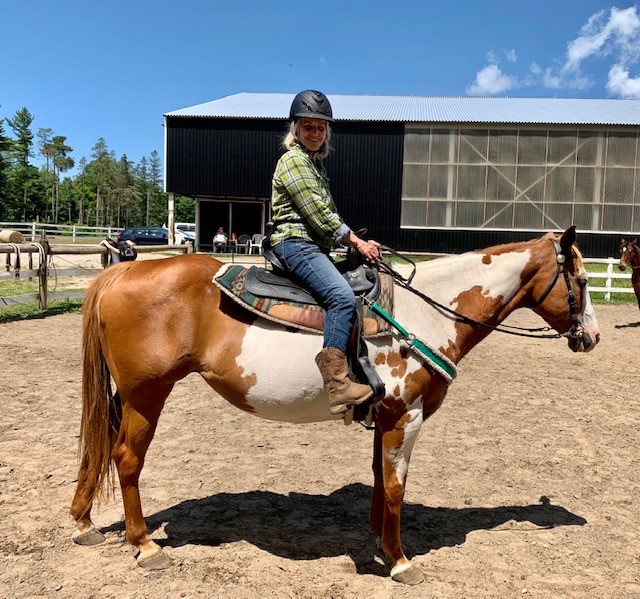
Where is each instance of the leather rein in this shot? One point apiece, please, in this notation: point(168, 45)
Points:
point(576, 324)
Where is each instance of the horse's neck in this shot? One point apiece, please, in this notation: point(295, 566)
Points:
point(480, 286)
point(490, 281)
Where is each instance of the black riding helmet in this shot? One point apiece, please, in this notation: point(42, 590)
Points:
point(311, 104)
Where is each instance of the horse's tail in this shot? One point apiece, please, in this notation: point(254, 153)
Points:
point(101, 408)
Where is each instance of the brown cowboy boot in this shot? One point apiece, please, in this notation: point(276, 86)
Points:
point(342, 391)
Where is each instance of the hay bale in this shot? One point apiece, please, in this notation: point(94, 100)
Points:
point(10, 236)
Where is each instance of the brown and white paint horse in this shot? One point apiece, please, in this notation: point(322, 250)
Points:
point(630, 256)
point(149, 324)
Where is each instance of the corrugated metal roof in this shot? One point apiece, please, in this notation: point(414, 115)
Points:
point(429, 109)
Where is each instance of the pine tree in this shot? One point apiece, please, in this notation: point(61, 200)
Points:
point(5, 144)
point(62, 162)
point(21, 152)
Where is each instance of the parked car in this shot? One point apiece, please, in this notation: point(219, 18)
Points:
point(182, 236)
point(186, 236)
point(145, 235)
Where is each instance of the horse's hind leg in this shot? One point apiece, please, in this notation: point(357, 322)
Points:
point(86, 533)
point(140, 413)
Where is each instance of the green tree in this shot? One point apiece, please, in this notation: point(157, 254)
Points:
point(185, 209)
point(158, 199)
point(5, 145)
point(100, 172)
point(24, 175)
point(46, 150)
point(62, 162)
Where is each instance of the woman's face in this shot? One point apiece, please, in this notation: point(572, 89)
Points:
point(312, 133)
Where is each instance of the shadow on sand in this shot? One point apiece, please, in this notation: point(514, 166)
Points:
point(629, 325)
point(307, 527)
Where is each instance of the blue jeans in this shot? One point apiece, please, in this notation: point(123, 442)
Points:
point(315, 271)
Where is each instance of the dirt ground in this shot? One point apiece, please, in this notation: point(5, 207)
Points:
point(525, 483)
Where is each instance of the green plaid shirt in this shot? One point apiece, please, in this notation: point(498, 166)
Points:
point(301, 203)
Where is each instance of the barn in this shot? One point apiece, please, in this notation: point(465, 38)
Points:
point(423, 174)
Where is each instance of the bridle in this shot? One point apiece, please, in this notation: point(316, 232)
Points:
point(575, 331)
point(633, 252)
point(561, 266)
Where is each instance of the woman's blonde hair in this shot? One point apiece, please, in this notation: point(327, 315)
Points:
point(291, 140)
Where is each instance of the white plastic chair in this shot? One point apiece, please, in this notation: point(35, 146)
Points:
point(256, 242)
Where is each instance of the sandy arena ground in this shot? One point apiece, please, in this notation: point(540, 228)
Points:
point(525, 483)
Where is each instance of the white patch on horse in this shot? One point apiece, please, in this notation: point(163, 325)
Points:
point(288, 384)
point(445, 279)
point(411, 430)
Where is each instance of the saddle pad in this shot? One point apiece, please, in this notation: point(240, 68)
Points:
point(230, 279)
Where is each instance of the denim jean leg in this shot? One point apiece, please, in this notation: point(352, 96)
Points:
point(315, 270)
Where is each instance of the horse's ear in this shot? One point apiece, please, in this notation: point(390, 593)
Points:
point(568, 239)
point(634, 241)
point(623, 242)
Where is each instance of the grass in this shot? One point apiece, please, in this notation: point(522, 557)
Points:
point(31, 309)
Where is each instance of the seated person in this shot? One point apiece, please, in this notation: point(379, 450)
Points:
point(219, 240)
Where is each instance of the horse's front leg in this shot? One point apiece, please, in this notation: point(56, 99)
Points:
point(139, 421)
point(394, 440)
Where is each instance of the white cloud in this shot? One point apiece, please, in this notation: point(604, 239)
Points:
point(621, 84)
point(610, 38)
point(617, 35)
point(511, 55)
point(491, 80)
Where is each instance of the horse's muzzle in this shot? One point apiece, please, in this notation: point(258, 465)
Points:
point(583, 342)
point(622, 266)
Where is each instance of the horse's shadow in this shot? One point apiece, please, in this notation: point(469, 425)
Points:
point(628, 325)
point(307, 527)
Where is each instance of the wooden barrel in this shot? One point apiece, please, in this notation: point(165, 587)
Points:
point(10, 236)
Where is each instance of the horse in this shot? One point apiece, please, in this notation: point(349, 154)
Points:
point(149, 324)
point(630, 256)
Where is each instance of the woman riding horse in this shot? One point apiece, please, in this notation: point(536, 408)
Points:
point(307, 226)
point(148, 324)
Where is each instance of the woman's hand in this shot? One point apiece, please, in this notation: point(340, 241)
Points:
point(369, 249)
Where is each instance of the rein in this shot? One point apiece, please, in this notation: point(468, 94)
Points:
point(560, 266)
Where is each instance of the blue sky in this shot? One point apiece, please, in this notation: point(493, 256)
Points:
point(89, 70)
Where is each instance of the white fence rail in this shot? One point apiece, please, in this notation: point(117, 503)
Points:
point(608, 276)
point(33, 231)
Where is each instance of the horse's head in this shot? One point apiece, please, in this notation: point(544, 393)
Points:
point(560, 291)
point(629, 253)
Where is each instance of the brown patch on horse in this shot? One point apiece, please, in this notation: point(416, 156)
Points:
point(159, 342)
point(397, 363)
point(474, 302)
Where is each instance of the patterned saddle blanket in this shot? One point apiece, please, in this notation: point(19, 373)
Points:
point(278, 299)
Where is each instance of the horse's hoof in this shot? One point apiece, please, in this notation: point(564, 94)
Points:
point(411, 576)
point(157, 561)
point(91, 536)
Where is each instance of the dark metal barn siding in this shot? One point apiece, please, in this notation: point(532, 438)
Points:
point(222, 157)
point(365, 174)
point(236, 157)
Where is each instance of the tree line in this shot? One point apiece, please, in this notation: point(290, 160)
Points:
point(105, 191)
